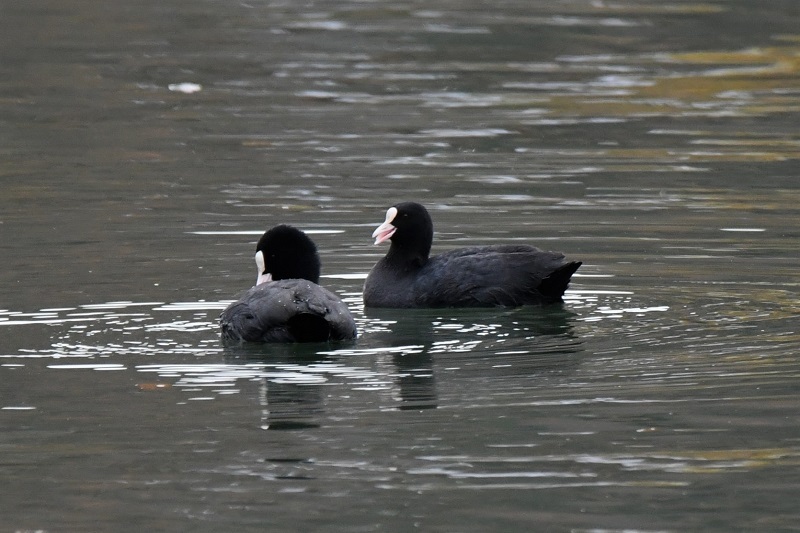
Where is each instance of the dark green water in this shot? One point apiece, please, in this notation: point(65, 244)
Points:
point(144, 146)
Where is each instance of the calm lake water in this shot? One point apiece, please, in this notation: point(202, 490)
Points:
point(146, 145)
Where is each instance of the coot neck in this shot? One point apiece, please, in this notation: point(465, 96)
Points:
point(406, 257)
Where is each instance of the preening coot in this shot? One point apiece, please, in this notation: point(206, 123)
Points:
point(286, 304)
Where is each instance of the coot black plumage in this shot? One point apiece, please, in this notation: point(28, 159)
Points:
point(287, 305)
point(483, 276)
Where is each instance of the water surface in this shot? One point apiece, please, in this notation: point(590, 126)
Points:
point(145, 146)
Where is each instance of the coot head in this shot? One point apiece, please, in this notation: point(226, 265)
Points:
point(285, 252)
point(410, 229)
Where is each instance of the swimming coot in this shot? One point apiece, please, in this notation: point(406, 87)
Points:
point(287, 305)
point(483, 276)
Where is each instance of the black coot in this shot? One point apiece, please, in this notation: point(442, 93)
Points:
point(484, 276)
point(287, 305)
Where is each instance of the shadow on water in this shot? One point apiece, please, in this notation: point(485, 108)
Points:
point(535, 331)
point(290, 394)
point(397, 355)
point(519, 341)
point(293, 377)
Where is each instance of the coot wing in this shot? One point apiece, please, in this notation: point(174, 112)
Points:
point(505, 275)
point(290, 310)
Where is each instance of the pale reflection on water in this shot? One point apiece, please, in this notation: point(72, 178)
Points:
point(607, 366)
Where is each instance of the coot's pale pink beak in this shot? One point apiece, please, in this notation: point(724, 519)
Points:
point(263, 277)
point(385, 231)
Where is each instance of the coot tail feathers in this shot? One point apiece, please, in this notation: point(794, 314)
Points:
point(553, 286)
point(308, 327)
